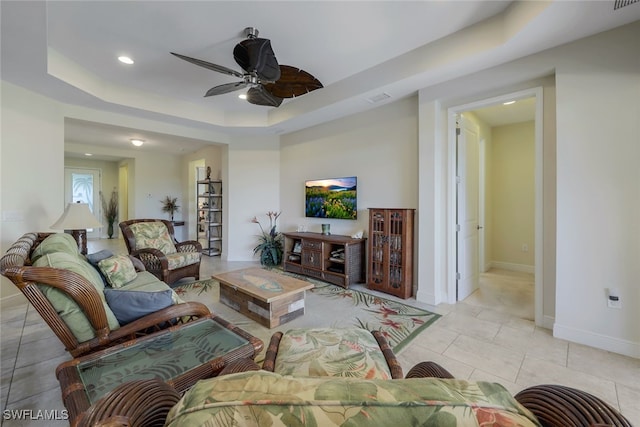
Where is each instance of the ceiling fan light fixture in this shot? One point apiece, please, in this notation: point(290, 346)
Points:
point(268, 82)
point(137, 142)
point(125, 60)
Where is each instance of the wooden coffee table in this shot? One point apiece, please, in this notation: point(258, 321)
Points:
point(263, 295)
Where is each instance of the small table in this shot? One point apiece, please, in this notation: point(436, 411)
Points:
point(265, 296)
point(180, 356)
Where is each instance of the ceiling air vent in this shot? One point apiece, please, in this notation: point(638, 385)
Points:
point(378, 98)
point(617, 4)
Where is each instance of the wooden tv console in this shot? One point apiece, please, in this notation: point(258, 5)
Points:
point(335, 259)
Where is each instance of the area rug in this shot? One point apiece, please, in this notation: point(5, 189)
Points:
point(326, 305)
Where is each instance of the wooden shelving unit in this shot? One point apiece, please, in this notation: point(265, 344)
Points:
point(210, 216)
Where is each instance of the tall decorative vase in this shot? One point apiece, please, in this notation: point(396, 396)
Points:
point(110, 230)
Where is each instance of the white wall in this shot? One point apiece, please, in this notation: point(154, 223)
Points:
point(31, 167)
point(378, 146)
point(513, 196)
point(251, 187)
point(598, 151)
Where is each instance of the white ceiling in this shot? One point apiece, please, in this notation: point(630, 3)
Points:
point(67, 50)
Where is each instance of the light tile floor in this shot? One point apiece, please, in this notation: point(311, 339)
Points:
point(486, 337)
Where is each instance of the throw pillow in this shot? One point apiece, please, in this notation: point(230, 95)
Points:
point(96, 257)
point(118, 270)
point(131, 305)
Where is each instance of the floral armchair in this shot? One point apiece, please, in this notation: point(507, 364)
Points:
point(152, 241)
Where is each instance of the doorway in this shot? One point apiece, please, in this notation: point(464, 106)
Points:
point(456, 242)
point(83, 186)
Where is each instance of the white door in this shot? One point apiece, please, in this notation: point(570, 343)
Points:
point(468, 164)
point(83, 185)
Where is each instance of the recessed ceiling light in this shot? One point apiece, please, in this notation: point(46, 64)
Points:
point(508, 102)
point(137, 142)
point(242, 96)
point(125, 60)
point(88, 154)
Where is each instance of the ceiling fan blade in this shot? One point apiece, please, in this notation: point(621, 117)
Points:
point(209, 65)
point(256, 55)
point(226, 88)
point(293, 82)
point(257, 95)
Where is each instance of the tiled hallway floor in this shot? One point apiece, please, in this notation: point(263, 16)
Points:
point(481, 338)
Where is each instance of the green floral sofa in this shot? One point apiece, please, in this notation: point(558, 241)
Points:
point(90, 307)
point(244, 395)
point(268, 398)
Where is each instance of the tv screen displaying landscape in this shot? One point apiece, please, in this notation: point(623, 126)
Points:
point(331, 198)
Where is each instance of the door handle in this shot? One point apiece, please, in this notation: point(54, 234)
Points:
point(479, 227)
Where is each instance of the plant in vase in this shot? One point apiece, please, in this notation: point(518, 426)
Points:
point(110, 211)
point(270, 247)
point(170, 205)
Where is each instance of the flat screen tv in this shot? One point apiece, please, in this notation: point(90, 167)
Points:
point(331, 198)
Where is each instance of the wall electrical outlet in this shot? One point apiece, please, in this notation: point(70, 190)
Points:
point(525, 247)
point(614, 304)
point(613, 298)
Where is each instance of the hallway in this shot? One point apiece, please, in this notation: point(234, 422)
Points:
point(506, 291)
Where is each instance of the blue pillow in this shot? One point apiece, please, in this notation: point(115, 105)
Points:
point(95, 258)
point(131, 305)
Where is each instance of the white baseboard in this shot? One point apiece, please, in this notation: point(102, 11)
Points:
point(426, 297)
point(513, 267)
point(548, 322)
point(603, 342)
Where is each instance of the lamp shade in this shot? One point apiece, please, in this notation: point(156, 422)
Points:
point(76, 216)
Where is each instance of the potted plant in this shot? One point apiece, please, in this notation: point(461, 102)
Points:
point(170, 205)
point(270, 247)
point(110, 211)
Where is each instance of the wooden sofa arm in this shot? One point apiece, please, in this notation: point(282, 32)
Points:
point(143, 403)
point(188, 246)
point(157, 320)
point(428, 370)
point(389, 356)
point(241, 365)
point(151, 257)
point(269, 363)
point(561, 406)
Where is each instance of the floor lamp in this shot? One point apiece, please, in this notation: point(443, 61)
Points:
point(75, 219)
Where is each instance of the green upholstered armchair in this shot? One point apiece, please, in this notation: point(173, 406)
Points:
point(152, 241)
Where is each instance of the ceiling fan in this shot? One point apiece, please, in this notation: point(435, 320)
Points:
point(268, 82)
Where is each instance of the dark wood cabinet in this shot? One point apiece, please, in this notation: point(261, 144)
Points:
point(333, 258)
point(391, 251)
